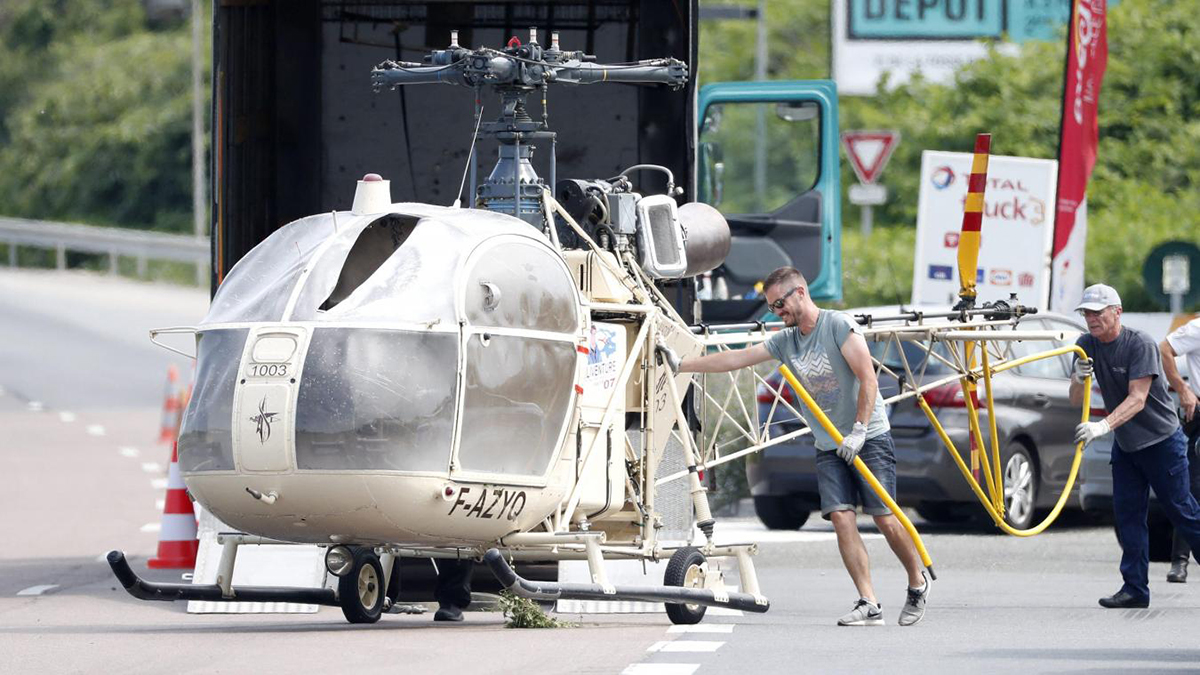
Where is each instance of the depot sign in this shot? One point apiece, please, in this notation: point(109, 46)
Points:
point(1017, 235)
point(900, 37)
point(924, 19)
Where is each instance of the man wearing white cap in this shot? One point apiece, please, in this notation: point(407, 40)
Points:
point(1185, 341)
point(1149, 449)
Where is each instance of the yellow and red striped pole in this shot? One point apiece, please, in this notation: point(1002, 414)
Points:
point(968, 264)
point(969, 238)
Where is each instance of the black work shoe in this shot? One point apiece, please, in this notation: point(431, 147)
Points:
point(1178, 573)
point(448, 613)
point(1123, 600)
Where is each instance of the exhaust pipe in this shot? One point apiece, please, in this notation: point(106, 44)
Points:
point(545, 590)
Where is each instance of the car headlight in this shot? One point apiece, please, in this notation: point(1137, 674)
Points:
point(339, 560)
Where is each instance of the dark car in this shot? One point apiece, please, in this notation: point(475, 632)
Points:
point(1035, 425)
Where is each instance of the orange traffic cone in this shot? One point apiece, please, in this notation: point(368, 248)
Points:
point(171, 408)
point(177, 543)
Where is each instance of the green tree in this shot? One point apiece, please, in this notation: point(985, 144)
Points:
point(1143, 189)
point(99, 127)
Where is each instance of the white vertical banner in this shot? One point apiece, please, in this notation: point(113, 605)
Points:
point(1068, 266)
point(1016, 237)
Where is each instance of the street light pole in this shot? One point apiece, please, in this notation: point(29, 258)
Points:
point(199, 191)
point(760, 135)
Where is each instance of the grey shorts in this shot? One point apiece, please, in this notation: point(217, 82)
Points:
point(842, 488)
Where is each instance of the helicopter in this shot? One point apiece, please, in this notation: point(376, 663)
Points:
point(412, 380)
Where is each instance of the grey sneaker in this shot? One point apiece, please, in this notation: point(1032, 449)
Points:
point(865, 613)
point(914, 605)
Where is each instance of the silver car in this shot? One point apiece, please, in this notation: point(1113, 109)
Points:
point(1035, 425)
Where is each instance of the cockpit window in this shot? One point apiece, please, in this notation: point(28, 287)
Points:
point(413, 285)
point(206, 431)
point(260, 284)
point(519, 285)
point(355, 254)
point(374, 245)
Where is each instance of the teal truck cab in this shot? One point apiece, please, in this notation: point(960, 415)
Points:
point(768, 160)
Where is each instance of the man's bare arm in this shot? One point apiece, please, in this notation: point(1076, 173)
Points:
point(1187, 399)
point(858, 357)
point(1139, 389)
point(725, 361)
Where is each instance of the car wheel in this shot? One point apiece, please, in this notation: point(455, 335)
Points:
point(942, 512)
point(780, 513)
point(1020, 486)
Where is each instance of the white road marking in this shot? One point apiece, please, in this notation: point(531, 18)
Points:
point(160, 504)
point(685, 646)
point(152, 467)
point(37, 590)
point(151, 527)
point(159, 483)
point(129, 452)
point(661, 669)
point(95, 429)
point(703, 628)
point(742, 532)
point(66, 416)
point(35, 406)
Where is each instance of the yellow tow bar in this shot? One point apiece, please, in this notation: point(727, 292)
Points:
point(862, 469)
point(995, 512)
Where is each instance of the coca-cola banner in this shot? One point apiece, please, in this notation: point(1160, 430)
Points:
point(1087, 55)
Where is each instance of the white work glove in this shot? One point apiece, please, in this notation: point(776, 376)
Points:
point(1083, 370)
point(1087, 432)
point(852, 443)
point(668, 355)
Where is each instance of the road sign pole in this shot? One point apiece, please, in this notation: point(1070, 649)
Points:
point(867, 218)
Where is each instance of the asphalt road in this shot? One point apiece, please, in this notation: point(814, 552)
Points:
point(82, 474)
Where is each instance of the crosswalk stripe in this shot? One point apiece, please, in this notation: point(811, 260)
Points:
point(703, 628)
point(661, 669)
point(685, 646)
point(37, 590)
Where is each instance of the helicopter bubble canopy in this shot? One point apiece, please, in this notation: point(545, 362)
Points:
point(379, 343)
point(390, 267)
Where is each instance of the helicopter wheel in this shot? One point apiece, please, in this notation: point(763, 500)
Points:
point(686, 569)
point(361, 592)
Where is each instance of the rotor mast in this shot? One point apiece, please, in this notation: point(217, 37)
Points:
point(514, 187)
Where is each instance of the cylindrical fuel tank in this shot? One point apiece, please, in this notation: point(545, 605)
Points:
point(708, 238)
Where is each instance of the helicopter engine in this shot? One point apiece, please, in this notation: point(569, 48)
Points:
point(669, 241)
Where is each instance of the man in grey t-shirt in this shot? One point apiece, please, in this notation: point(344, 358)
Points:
point(1149, 449)
point(829, 356)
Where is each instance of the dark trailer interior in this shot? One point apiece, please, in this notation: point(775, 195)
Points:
point(296, 123)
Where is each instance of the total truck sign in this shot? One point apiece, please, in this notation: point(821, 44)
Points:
point(1017, 234)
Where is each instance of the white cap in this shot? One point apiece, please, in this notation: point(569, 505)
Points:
point(1098, 296)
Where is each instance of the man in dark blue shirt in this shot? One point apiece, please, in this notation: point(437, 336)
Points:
point(1149, 449)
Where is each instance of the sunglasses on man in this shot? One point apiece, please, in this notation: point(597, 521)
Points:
point(778, 304)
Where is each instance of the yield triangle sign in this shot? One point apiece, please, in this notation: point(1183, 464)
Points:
point(869, 152)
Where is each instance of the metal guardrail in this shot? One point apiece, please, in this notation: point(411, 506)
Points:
point(111, 241)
